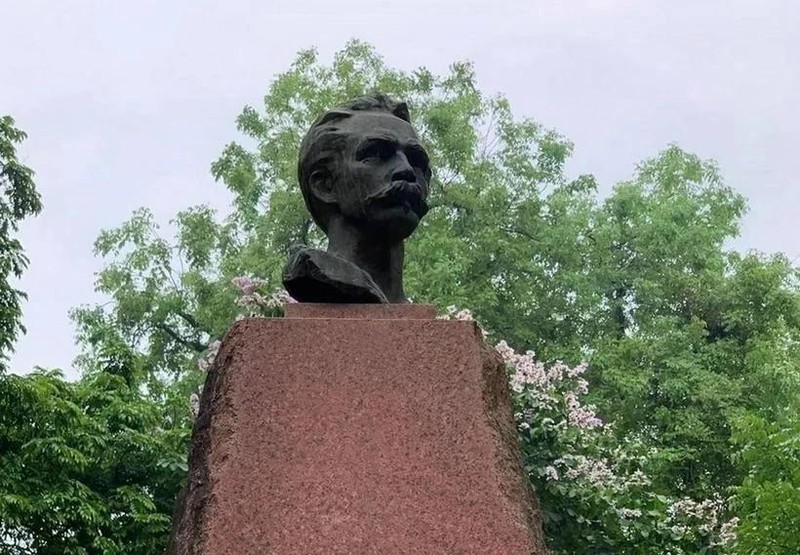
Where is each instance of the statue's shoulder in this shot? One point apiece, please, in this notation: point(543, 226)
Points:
point(316, 276)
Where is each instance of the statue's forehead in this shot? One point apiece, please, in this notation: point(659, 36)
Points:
point(375, 123)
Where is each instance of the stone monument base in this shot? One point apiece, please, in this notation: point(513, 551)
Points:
point(356, 429)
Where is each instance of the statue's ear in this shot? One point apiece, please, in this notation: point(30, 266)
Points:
point(321, 185)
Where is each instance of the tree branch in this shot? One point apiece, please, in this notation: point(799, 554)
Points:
point(195, 345)
point(518, 231)
point(191, 320)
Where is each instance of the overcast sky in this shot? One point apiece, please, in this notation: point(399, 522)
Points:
point(127, 103)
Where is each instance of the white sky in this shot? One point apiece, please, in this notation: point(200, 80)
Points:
point(127, 103)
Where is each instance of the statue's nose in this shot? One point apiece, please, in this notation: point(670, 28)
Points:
point(403, 171)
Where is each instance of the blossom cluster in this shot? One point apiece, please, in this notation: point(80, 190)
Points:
point(194, 402)
point(586, 461)
point(207, 358)
point(686, 515)
point(452, 312)
point(204, 364)
point(548, 387)
point(254, 302)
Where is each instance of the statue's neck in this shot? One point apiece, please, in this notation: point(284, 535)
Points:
point(381, 260)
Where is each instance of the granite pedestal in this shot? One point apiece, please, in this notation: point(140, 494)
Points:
point(356, 429)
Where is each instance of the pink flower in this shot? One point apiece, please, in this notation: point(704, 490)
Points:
point(246, 285)
point(278, 299)
point(580, 416)
point(727, 532)
point(506, 352)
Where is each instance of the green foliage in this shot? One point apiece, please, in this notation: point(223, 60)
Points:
point(171, 298)
point(768, 498)
point(18, 200)
point(595, 489)
point(685, 340)
point(90, 467)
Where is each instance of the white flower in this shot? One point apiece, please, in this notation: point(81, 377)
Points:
point(551, 473)
point(464, 314)
point(194, 405)
point(629, 514)
point(207, 359)
point(452, 312)
point(506, 352)
point(727, 532)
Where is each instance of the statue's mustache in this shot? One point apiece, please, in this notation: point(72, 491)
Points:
point(401, 193)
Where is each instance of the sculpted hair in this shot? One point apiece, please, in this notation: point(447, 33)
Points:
point(324, 144)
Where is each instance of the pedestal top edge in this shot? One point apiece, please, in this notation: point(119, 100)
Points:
point(408, 311)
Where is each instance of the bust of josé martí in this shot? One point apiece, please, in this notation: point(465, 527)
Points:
point(364, 176)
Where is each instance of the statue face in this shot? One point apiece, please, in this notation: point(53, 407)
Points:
point(381, 181)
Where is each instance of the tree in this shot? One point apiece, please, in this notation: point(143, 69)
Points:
point(91, 467)
point(18, 200)
point(682, 337)
point(171, 298)
point(768, 499)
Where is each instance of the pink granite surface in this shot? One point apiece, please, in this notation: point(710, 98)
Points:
point(370, 311)
point(356, 436)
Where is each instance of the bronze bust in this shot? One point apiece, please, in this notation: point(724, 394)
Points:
point(364, 176)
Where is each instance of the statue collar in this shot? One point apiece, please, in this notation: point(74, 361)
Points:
point(316, 276)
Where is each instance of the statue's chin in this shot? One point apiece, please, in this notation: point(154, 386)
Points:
point(394, 222)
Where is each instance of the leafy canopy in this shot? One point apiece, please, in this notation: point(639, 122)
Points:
point(692, 350)
point(18, 200)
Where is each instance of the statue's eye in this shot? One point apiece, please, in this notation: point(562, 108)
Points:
point(419, 160)
point(379, 150)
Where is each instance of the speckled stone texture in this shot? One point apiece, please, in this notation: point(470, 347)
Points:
point(366, 311)
point(345, 429)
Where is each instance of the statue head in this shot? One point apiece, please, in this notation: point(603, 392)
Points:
point(363, 162)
